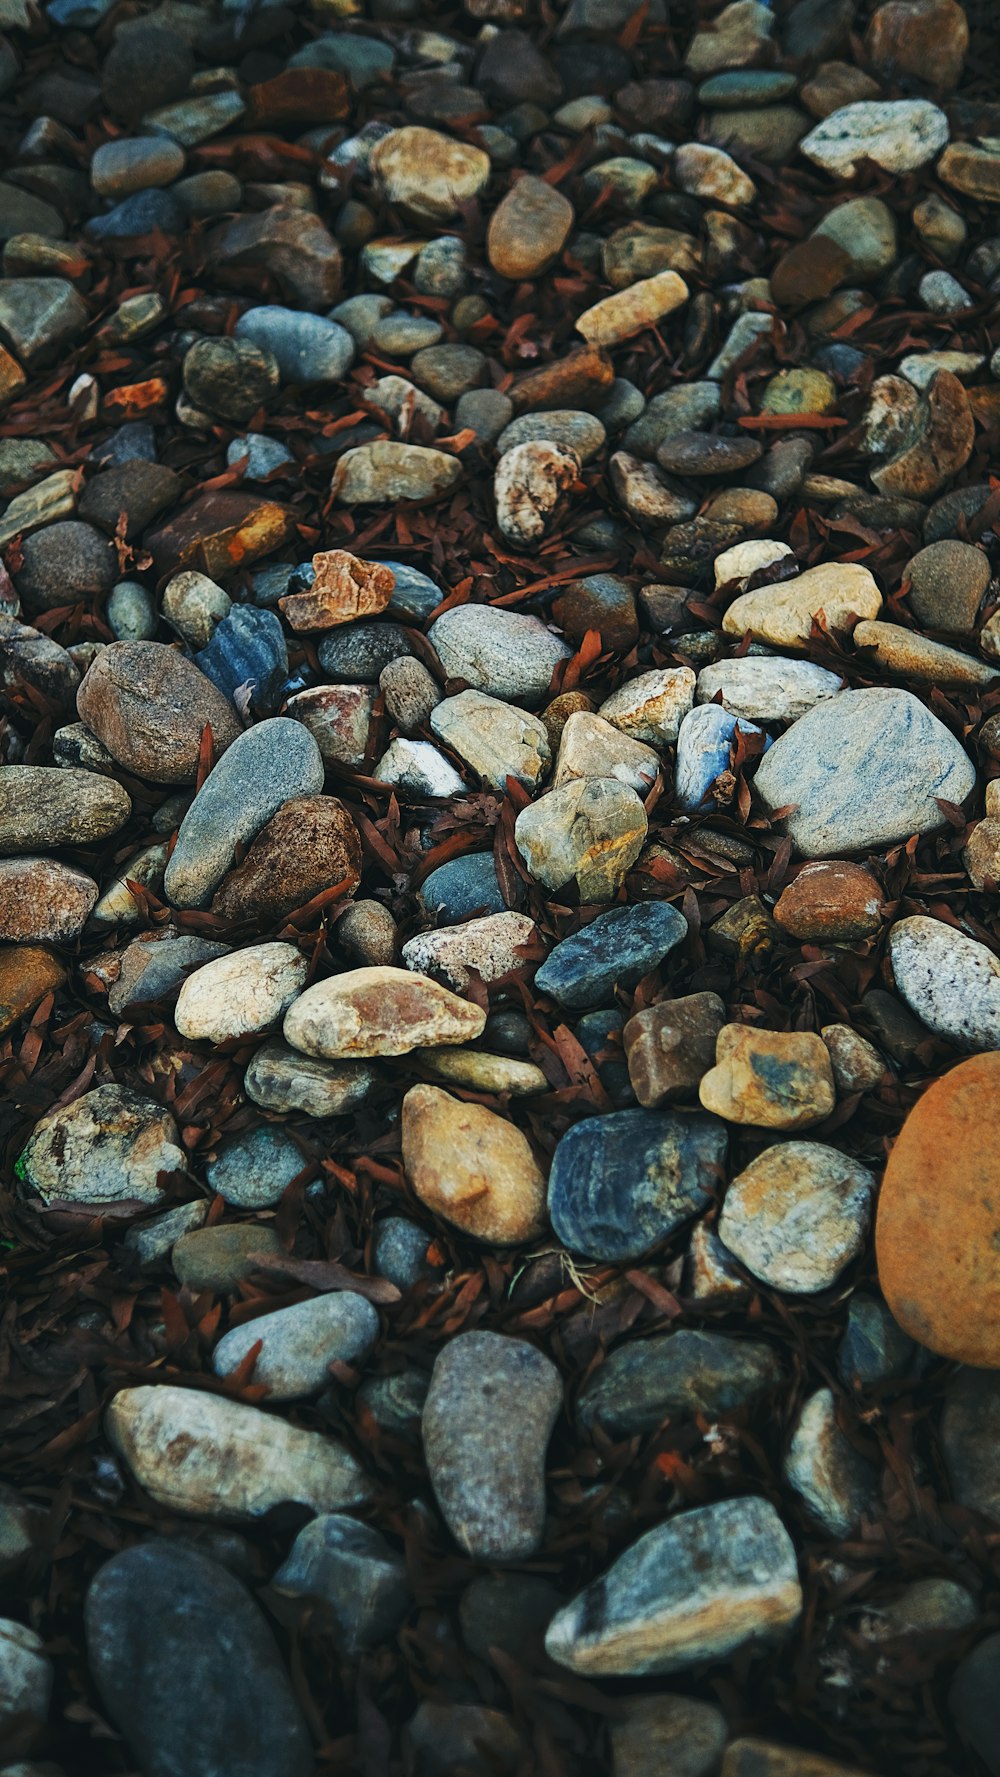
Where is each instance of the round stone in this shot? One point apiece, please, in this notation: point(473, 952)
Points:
point(797, 1215)
point(529, 229)
point(65, 564)
point(472, 1167)
point(951, 981)
point(947, 583)
point(831, 901)
point(230, 377)
point(150, 707)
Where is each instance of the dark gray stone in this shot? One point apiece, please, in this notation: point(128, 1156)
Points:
point(974, 1700)
point(139, 214)
point(354, 1570)
point(615, 949)
point(65, 564)
point(414, 594)
point(620, 1184)
point(675, 1377)
point(395, 1402)
point(970, 1438)
point(461, 887)
point(255, 1168)
point(357, 653)
point(509, 1611)
point(153, 969)
point(399, 1251)
point(874, 1347)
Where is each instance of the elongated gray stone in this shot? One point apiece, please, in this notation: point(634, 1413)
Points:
point(951, 981)
point(298, 1344)
point(673, 1377)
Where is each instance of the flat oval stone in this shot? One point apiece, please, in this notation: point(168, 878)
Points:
point(254, 1170)
point(486, 1425)
point(620, 1184)
point(216, 1458)
point(767, 688)
point(863, 770)
point(379, 474)
point(221, 1257)
point(782, 614)
point(695, 1588)
point(379, 1011)
point(577, 431)
point(149, 707)
point(188, 1668)
point(298, 1344)
point(306, 348)
point(798, 1214)
point(241, 994)
point(502, 652)
point(43, 902)
point(708, 453)
point(265, 767)
point(108, 1146)
point(674, 1377)
point(528, 229)
point(615, 949)
point(951, 981)
point(472, 1167)
point(938, 1214)
point(48, 805)
point(281, 1079)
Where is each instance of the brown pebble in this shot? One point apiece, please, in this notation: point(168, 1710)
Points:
point(830, 902)
point(42, 901)
point(150, 706)
point(27, 973)
point(581, 379)
point(809, 271)
point(310, 845)
point(669, 1046)
point(344, 589)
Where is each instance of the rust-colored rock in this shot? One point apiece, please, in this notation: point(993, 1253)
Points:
point(529, 229)
point(581, 379)
point(27, 973)
point(831, 901)
point(150, 706)
point(344, 589)
point(471, 1167)
point(218, 533)
point(925, 38)
point(809, 271)
point(670, 1046)
point(42, 901)
point(298, 95)
point(938, 442)
point(937, 1237)
point(311, 844)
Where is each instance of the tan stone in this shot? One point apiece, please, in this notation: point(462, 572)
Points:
point(50, 806)
point(982, 854)
point(27, 973)
point(831, 901)
point(764, 1758)
point(652, 706)
point(239, 995)
point(343, 590)
point(12, 378)
point(310, 845)
point(428, 174)
point(592, 829)
point(149, 706)
point(590, 747)
point(937, 445)
point(973, 171)
point(529, 229)
point(916, 657)
point(783, 614)
point(483, 1072)
point(669, 1046)
point(768, 1078)
point(43, 902)
point(857, 1064)
point(379, 1011)
point(630, 311)
point(472, 1167)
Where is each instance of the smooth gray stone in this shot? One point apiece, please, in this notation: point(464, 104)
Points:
point(301, 1342)
point(255, 1168)
point(356, 1572)
point(307, 348)
point(616, 948)
point(281, 1079)
point(461, 887)
point(502, 652)
point(674, 1377)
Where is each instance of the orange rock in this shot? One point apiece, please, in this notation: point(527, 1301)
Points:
point(581, 379)
point(472, 1167)
point(27, 972)
point(136, 401)
point(12, 378)
point(829, 901)
point(344, 588)
point(927, 38)
point(772, 1079)
point(937, 1237)
point(219, 532)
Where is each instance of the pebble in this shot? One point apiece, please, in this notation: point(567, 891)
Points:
point(26, 1679)
point(763, 688)
point(972, 1698)
point(651, 706)
point(910, 38)
point(675, 1377)
point(770, 1079)
point(487, 1419)
point(223, 1256)
point(27, 973)
point(665, 1732)
point(149, 706)
point(216, 1458)
point(306, 348)
point(298, 1344)
point(707, 453)
point(45, 805)
point(934, 445)
point(410, 693)
point(342, 589)
point(247, 649)
point(494, 738)
point(938, 1210)
point(972, 170)
point(704, 747)
point(379, 474)
point(229, 377)
point(948, 581)
point(783, 614)
point(39, 316)
point(130, 612)
point(378, 1011)
point(419, 770)
point(590, 747)
point(462, 887)
point(797, 1215)
point(571, 430)
point(310, 846)
point(473, 1168)
point(154, 968)
point(592, 830)
point(280, 1079)
point(152, 1242)
point(835, 1483)
point(951, 981)
point(483, 1072)
point(831, 901)
point(118, 905)
point(615, 949)
point(193, 605)
point(62, 555)
point(339, 719)
point(643, 304)
point(239, 995)
point(863, 770)
point(669, 1046)
point(106, 1147)
point(694, 1588)
point(528, 483)
point(180, 1651)
point(620, 1184)
point(489, 948)
point(357, 1574)
point(920, 660)
point(528, 230)
point(43, 902)
point(874, 1347)
point(646, 497)
point(265, 767)
point(133, 164)
point(429, 175)
point(254, 1170)
point(444, 1737)
point(52, 499)
point(898, 135)
point(711, 173)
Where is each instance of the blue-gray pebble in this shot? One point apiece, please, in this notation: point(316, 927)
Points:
point(307, 348)
point(615, 949)
point(461, 887)
point(620, 1184)
point(247, 648)
point(255, 1169)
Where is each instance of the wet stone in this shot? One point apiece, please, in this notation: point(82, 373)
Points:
point(472, 1167)
point(620, 1184)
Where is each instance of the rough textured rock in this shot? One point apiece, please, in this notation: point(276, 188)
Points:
point(43, 902)
point(310, 845)
point(281, 1079)
point(671, 1045)
point(472, 1167)
point(43, 805)
point(619, 1184)
point(239, 995)
point(771, 1079)
point(343, 589)
point(897, 135)
point(528, 229)
point(616, 948)
point(798, 1214)
point(675, 1377)
point(150, 706)
point(951, 981)
point(107, 1147)
point(782, 615)
point(591, 829)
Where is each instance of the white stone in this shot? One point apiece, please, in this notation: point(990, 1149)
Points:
point(898, 135)
point(241, 994)
point(797, 1215)
point(528, 484)
point(378, 1011)
point(501, 652)
point(951, 981)
point(418, 769)
point(488, 946)
point(767, 688)
point(497, 740)
point(712, 173)
point(744, 559)
point(652, 706)
point(591, 747)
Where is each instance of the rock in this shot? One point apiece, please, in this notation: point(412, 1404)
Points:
point(118, 906)
point(681, 1735)
point(489, 948)
point(193, 605)
point(768, 1078)
point(26, 1677)
point(139, 490)
point(571, 429)
point(592, 829)
point(367, 931)
point(972, 1700)
point(46, 805)
point(310, 845)
point(865, 228)
point(496, 739)
point(764, 688)
point(39, 316)
point(483, 1072)
point(527, 486)
point(972, 170)
point(43, 902)
point(763, 1758)
point(863, 770)
point(149, 706)
point(711, 173)
point(506, 654)
point(643, 304)
point(670, 1046)
point(216, 1458)
point(486, 412)
point(446, 1737)
point(361, 651)
point(651, 706)
point(380, 474)
point(615, 949)
point(836, 1484)
point(107, 1147)
point(223, 1256)
point(917, 658)
point(898, 135)
point(150, 1611)
point(797, 1215)
point(950, 981)
point(934, 444)
point(704, 749)
point(830, 902)
point(265, 767)
point(487, 1420)
point(462, 887)
point(218, 531)
point(874, 1348)
point(61, 556)
point(299, 1344)
point(118, 168)
point(230, 377)
point(339, 718)
point(968, 1439)
point(471, 1167)
point(410, 691)
point(306, 348)
point(448, 371)
point(590, 747)
point(247, 653)
point(280, 1079)
point(52, 499)
point(620, 1184)
point(153, 969)
point(675, 1377)
point(378, 1011)
point(707, 453)
point(646, 497)
point(419, 770)
point(357, 1574)
point(293, 245)
point(151, 1242)
point(947, 583)
point(695, 1588)
point(429, 175)
point(130, 613)
point(800, 391)
point(400, 1252)
point(509, 1611)
point(934, 1235)
point(241, 994)
point(28, 655)
point(254, 1170)
point(782, 614)
point(581, 379)
point(27, 973)
point(528, 230)
point(809, 271)
point(917, 36)
point(343, 589)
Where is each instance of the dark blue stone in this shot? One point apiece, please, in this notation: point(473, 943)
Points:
point(357, 653)
point(620, 1184)
point(874, 1347)
point(414, 594)
point(838, 359)
point(271, 583)
point(247, 648)
point(399, 1251)
point(134, 442)
point(615, 949)
point(674, 1377)
point(600, 1034)
point(462, 887)
point(139, 214)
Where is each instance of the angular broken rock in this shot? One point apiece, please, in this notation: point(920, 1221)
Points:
point(311, 845)
point(216, 1458)
point(936, 444)
point(496, 739)
point(293, 244)
point(106, 1147)
point(344, 589)
point(472, 1167)
point(379, 1011)
point(698, 1587)
point(592, 829)
point(772, 1079)
point(486, 1425)
point(528, 485)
